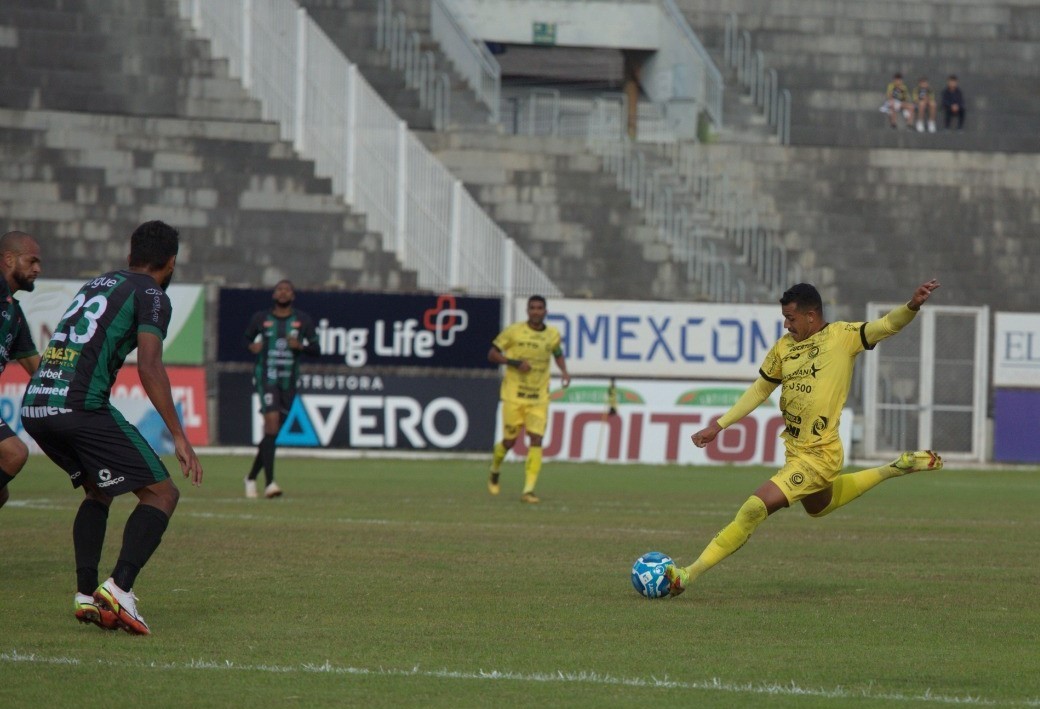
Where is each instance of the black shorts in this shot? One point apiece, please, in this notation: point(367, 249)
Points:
point(274, 398)
point(6, 431)
point(100, 446)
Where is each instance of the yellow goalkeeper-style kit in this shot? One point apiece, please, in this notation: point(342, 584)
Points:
point(525, 395)
point(538, 347)
point(814, 376)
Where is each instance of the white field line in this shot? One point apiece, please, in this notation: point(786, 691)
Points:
point(593, 678)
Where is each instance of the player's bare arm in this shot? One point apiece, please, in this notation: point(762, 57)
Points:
point(565, 377)
point(923, 292)
point(30, 364)
point(156, 385)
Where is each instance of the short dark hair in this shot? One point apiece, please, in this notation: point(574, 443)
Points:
point(951, 77)
point(536, 298)
point(803, 295)
point(897, 75)
point(152, 244)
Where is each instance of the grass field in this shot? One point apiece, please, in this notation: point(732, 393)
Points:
point(403, 583)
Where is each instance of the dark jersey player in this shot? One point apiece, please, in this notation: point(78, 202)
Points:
point(277, 336)
point(19, 266)
point(66, 409)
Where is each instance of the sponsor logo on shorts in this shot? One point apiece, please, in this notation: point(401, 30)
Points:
point(797, 478)
point(39, 412)
point(106, 480)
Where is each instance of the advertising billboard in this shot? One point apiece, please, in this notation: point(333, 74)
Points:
point(47, 303)
point(1016, 350)
point(664, 340)
point(375, 329)
point(652, 422)
point(369, 412)
point(188, 385)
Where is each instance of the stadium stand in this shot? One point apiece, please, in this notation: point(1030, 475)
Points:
point(106, 121)
point(869, 207)
point(110, 115)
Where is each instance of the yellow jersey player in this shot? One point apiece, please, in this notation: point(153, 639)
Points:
point(526, 349)
point(813, 364)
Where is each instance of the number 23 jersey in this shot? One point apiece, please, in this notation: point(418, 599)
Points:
point(96, 333)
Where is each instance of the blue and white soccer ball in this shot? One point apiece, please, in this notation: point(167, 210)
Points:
point(648, 576)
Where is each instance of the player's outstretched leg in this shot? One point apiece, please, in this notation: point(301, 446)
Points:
point(730, 538)
point(849, 486)
point(913, 461)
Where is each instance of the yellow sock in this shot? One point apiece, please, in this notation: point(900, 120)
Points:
point(848, 487)
point(497, 456)
point(731, 537)
point(532, 467)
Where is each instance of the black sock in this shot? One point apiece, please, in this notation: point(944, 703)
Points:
point(258, 462)
point(267, 453)
point(141, 536)
point(4, 479)
point(88, 536)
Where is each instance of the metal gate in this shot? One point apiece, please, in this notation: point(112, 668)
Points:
point(927, 387)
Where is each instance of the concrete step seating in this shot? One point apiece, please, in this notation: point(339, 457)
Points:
point(876, 218)
point(238, 195)
point(836, 57)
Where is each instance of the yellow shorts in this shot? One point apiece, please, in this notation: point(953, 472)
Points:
point(532, 417)
point(808, 471)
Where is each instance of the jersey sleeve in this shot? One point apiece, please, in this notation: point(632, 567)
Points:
point(153, 311)
point(22, 344)
point(772, 366)
point(889, 324)
point(504, 340)
point(254, 328)
point(308, 335)
point(555, 344)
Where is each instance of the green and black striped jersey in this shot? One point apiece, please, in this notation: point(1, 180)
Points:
point(276, 364)
point(15, 339)
point(96, 333)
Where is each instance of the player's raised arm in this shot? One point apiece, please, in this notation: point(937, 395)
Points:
point(900, 316)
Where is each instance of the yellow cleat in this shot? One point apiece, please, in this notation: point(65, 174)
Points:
point(493, 487)
point(529, 498)
point(912, 461)
point(679, 579)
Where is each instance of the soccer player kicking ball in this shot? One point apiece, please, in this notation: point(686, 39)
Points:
point(813, 364)
point(66, 409)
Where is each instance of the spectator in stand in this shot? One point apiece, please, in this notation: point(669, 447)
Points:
point(953, 103)
point(924, 97)
point(897, 100)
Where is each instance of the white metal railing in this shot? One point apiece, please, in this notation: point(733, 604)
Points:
point(468, 53)
point(332, 116)
point(695, 74)
point(684, 198)
point(761, 82)
point(418, 66)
